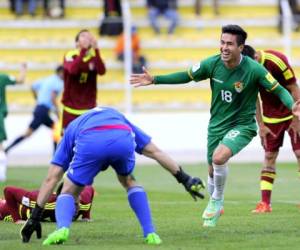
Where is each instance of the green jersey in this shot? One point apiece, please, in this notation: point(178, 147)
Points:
point(4, 81)
point(234, 91)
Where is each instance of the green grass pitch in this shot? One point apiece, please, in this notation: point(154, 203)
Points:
point(176, 216)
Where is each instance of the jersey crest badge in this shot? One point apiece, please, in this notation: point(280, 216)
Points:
point(239, 86)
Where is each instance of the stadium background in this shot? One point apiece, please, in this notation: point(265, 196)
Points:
point(166, 112)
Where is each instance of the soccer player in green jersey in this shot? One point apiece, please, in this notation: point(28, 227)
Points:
point(4, 81)
point(234, 81)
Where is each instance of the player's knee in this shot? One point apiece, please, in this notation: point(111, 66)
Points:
point(127, 181)
point(219, 159)
point(270, 158)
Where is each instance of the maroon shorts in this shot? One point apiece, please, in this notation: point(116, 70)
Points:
point(274, 143)
point(67, 118)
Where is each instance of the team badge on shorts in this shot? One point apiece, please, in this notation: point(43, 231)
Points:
point(239, 86)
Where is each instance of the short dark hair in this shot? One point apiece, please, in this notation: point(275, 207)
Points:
point(235, 30)
point(78, 34)
point(248, 51)
point(59, 68)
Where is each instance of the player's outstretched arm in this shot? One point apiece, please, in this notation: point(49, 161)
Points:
point(193, 185)
point(143, 79)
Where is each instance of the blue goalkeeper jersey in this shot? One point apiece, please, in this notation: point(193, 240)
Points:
point(100, 138)
point(108, 118)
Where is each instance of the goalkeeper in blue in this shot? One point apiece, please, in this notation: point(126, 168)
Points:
point(94, 141)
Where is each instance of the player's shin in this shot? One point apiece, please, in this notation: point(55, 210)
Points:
point(64, 211)
point(267, 179)
point(138, 201)
point(220, 176)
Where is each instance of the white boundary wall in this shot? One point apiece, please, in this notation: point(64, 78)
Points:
point(183, 135)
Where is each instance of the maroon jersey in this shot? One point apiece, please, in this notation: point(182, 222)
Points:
point(80, 78)
point(277, 64)
point(20, 202)
point(85, 203)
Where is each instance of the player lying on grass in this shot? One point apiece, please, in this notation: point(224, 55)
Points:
point(19, 202)
point(94, 141)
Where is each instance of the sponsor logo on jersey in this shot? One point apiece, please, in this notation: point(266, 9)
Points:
point(239, 86)
point(217, 80)
point(196, 67)
point(26, 201)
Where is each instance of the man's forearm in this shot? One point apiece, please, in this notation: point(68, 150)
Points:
point(174, 78)
point(284, 96)
point(55, 174)
point(46, 190)
point(153, 152)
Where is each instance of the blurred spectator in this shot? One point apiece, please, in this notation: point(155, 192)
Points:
point(54, 10)
point(19, 7)
point(198, 7)
point(45, 92)
point(295, 8)
point(138, 61)
point(12, 6)
point(167, 8)
point(112, 23)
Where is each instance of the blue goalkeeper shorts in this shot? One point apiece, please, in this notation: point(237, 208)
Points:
point(94, 151)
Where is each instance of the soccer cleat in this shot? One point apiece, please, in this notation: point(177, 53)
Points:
point(213, 208)
point(153, 239)
point(57, 237)
point(210, 222)
point(212, 212)
point(262, 207)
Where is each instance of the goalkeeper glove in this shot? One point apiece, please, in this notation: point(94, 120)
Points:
point(193, 185)
point(33, 224)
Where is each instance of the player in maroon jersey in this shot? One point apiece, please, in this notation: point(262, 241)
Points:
point(18, 203)
point(81, 67)
point(274, 119)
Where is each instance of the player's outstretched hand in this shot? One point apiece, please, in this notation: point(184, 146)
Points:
point(143, 79)
point(265, 131)
point(29, 228)
point(192, 185)
point(33, 224)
